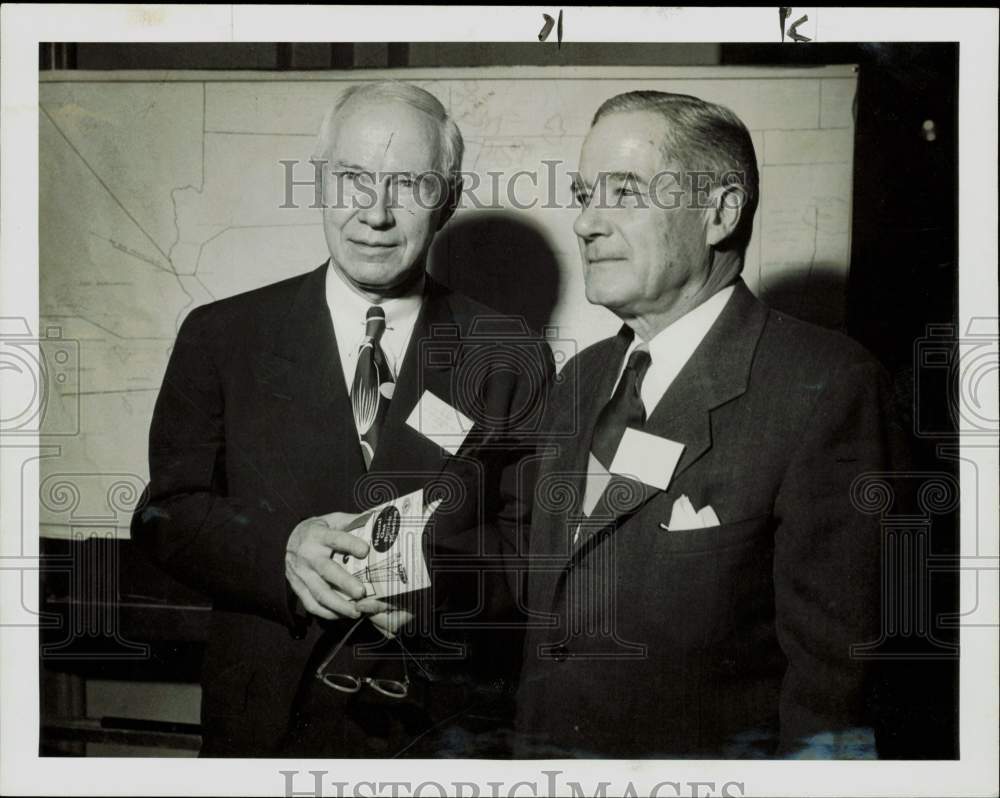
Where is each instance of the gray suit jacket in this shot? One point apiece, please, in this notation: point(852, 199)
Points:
point(731, 641)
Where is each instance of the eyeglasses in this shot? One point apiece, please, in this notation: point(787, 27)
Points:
point(348, 683)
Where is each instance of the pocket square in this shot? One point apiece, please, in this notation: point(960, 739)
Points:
point(684, 516)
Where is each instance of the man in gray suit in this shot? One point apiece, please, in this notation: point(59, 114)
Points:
point(695, 545)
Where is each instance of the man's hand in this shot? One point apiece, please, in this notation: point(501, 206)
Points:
point(387, 618)
point(311, 572)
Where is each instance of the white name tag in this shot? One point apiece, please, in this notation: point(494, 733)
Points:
point(436, 419)
point(598, 478)
point(647, 458)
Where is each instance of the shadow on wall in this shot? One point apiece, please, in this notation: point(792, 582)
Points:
point(818, 295)
point(505, 260)
point(501, 259)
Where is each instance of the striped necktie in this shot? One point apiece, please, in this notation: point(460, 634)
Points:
point(373, 385)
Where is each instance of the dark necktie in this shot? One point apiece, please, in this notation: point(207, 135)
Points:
point(624, 409)
point(373, 384)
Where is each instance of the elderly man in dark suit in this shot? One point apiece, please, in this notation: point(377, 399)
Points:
point(287, 411)
point(699, 573)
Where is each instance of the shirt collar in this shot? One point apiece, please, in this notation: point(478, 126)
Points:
point(683, 336)
point(345, 302)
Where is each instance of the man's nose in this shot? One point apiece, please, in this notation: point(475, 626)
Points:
point(591, 222)
point(378, 211)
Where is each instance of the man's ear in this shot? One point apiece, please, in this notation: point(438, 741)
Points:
point(451, 202)
point(723, 217)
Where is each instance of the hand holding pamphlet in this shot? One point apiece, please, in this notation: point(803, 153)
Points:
point(395, 563)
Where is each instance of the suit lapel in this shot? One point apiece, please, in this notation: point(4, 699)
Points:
point(311, 414)
point(565, 474)
point(717, 372)
point(591, 404)
point(405, 458)
point(552, 540)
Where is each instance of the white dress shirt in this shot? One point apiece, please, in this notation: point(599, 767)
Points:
point(669, 350)
point(347, 312)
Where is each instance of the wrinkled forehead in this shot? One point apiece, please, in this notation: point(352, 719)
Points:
point(385, 135)
point(625, 143)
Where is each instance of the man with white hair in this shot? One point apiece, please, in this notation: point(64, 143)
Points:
point(714, 570)
point(286, 412)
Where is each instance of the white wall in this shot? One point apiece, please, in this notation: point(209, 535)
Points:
point(162, 191)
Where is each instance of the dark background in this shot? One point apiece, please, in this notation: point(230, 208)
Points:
point(902, 286)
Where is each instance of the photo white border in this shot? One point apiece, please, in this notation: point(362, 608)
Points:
point(24, 26)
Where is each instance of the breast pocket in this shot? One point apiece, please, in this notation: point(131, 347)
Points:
point(715, 538)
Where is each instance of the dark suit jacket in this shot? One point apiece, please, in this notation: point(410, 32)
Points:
point(732, 641)
point(253, 432)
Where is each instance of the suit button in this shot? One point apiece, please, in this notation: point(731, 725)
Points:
point(560, 653)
